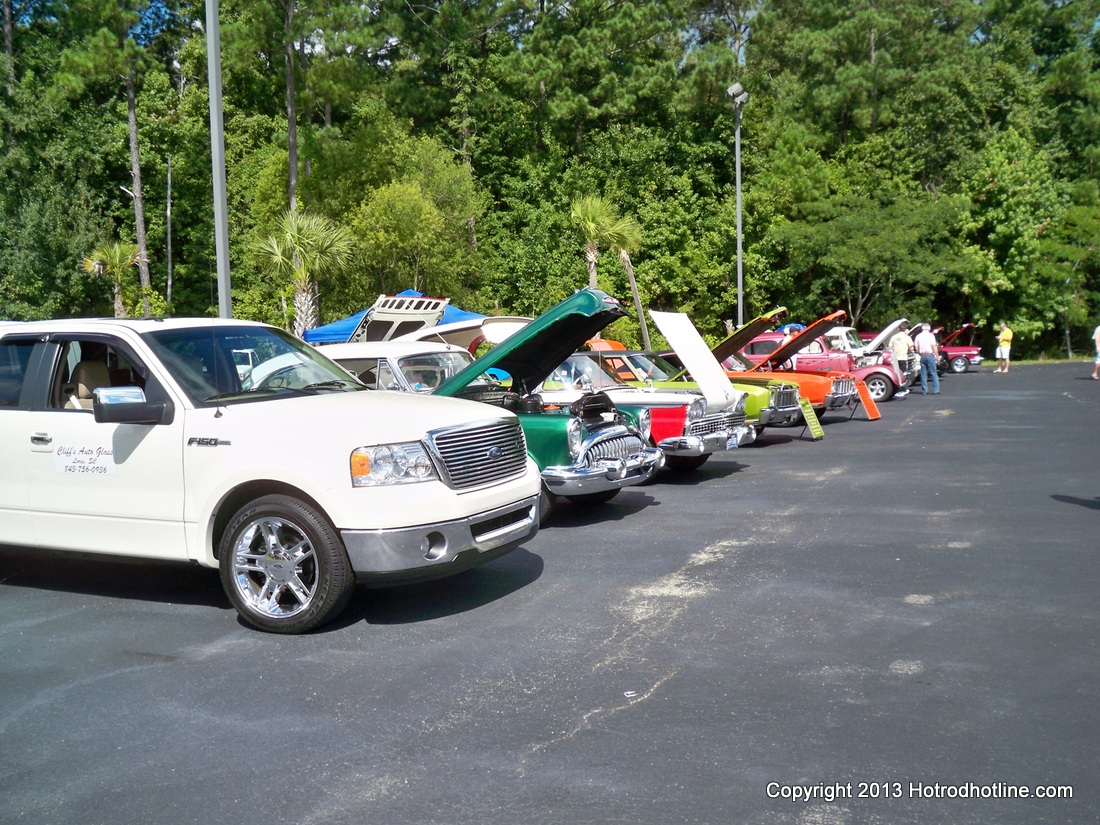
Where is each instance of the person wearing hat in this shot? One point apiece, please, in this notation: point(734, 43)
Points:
point(929, 351)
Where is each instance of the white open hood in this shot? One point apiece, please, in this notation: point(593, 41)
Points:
point(469, 333)
point(694, 353)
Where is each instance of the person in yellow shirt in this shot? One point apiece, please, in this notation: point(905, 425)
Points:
point(1004, 348)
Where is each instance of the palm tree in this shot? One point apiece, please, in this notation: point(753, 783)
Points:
point(306, 247)
point(601, 224)
point(111, 261)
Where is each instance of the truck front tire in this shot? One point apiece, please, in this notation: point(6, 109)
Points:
point(284, 566)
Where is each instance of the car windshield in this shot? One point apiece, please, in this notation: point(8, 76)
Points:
point(426, 372)
point(223, 363)
point(654, 367)
point(844, 339)
point(582, 371)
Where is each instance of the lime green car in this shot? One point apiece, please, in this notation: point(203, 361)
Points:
point(769, 400)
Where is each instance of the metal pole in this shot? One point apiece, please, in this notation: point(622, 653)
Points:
point(217, 157)
point(738, 98)
point(740, 276)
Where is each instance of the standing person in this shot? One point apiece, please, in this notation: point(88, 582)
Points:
point(901, 345)
point(1096, 367)
point(1004, 347)
point(929, 351)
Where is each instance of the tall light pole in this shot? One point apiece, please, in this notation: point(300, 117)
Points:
point(738, 98)
point(217, 158)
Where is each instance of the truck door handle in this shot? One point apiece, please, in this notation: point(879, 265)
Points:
point(42, 439)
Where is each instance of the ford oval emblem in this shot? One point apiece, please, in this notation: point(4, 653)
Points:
point(495, 452)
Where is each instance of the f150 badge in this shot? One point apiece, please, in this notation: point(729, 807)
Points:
point(207, 442)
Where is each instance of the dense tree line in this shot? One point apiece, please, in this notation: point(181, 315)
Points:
point(932, 160)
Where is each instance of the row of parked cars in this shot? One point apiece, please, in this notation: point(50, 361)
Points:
point(298, 471)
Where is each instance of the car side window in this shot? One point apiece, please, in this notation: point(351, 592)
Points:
point(85, 365)
point(14, 356)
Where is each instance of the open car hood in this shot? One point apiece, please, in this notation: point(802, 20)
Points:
point(743, 334)
point(393, 315)
point(532, 353)
point(879, 341)
point(470, 333)
point(951, 337)
point(694, 353)
point(803, 338)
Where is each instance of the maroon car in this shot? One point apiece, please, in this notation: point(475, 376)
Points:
point(960, 357)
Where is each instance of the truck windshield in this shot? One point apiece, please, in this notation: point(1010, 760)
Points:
point(222, 364)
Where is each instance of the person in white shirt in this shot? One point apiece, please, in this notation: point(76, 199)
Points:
point(929, 351)
point(1096, 367)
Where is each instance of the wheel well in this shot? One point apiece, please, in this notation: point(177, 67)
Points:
point(237, 498)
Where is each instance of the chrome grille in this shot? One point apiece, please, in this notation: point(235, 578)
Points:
point(843, 386)
point(621, 446)
point(785, 396)
point(464, 453)
point(717, 422)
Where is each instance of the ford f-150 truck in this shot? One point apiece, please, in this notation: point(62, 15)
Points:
point(145, 438)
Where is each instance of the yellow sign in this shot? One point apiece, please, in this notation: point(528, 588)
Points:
point(810, 417)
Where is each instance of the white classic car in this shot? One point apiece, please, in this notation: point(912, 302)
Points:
point(142, 438)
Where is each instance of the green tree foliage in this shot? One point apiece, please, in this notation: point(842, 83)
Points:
point(933, 160)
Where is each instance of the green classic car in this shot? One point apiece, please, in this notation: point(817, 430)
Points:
point(586, 451)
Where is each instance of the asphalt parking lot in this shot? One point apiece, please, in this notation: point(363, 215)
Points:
point(897, 624)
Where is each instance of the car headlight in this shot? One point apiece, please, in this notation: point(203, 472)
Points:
point(645, 424)
point(697, 409)
point(575, 436)
point(740, 405)
point(391, 464)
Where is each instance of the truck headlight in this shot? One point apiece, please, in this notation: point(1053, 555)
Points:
point(391, 464)
point(697, 409)
point(575, 437)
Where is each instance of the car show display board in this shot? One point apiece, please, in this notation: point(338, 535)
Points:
point(868, 402)
point(810, 417)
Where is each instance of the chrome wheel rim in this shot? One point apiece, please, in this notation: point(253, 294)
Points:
point(275, 568)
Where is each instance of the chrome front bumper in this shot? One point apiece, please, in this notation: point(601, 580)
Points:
point(837, 401)
point(604, 473)
point(441, 548)
point(705, 444)
point(780, 415)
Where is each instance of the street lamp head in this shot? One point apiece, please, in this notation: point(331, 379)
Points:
point(737, 95)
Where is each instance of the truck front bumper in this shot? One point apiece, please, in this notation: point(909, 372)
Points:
point(432, 550)
point(604, 473)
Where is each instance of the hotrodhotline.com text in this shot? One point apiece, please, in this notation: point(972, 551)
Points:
point(829, 792)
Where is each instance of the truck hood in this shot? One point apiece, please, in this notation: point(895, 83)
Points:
point(351, 418)
point(532, 353)
point(803, 338)
point(694, 353)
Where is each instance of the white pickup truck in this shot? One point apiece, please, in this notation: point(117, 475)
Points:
point(143, 438)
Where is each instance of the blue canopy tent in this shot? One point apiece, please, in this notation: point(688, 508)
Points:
point(341, 330)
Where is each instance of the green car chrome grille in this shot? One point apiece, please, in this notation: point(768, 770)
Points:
point(477, 455)
point(620, 446)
